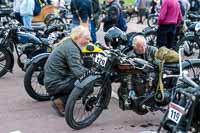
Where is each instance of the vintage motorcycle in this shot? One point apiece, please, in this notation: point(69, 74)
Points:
point(183, 111)
point(137, 91)
point(26, 42)
point(33, 79)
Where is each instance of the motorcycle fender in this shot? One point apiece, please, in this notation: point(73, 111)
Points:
point(12, 59)
point(84, 83)
point(36, 59)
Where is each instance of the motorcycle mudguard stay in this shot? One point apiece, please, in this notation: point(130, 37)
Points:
point(11, 58)
point(36, 59)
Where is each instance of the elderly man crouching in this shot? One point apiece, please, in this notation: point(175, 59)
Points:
point(64, 66)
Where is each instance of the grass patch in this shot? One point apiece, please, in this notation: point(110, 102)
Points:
point(127, 2)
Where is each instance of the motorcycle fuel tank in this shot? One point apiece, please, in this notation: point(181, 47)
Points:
point(23, 38)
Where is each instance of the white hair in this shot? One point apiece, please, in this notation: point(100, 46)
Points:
point(136, 38)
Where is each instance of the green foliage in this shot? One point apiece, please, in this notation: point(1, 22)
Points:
point(127, 2)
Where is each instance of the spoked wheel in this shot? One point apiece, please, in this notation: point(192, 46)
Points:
point(34, 81)
point(83, 107)
point(193, 46)
point(151, 38)
point(54, 21)
point(5, 61)
point(152, 20)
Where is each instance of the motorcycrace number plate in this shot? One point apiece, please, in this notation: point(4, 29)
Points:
point(101, 60)
point(175, 112)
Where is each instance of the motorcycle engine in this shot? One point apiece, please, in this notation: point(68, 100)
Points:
point(134, 85)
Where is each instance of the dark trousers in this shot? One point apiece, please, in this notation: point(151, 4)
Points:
point(18, 17)
point(166, 36)
point(61, 89)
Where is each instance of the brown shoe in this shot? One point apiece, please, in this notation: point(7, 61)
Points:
point(58, 106)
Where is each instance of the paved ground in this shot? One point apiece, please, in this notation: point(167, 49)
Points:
point(18, 112)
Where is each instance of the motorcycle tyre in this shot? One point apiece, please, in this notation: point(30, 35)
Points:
point(8, 60)
point(27, 82)
point(76, 94)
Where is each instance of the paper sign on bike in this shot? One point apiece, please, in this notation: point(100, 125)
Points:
point(175, 112)
point(101, 60)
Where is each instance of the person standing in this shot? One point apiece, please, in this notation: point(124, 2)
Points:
point(16, 10)
point(141, 6)
point(26, 11)
point(81, 11)
point(184, 6)
point(169, 18)
point(114, 17)
point(96, 10)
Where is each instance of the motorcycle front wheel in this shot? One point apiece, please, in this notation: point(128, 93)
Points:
point(5, 61)
point(91, 105)
point(194, 45)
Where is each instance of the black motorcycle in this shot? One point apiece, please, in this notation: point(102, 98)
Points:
point(192, 39)
point(183, 111)
point(34, 76)
point(189, 37)
point(137, 91)
point(26, 42)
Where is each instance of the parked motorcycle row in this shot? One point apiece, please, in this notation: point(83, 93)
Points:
point(138, 78)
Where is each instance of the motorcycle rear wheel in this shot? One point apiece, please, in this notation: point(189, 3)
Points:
point(39, 94)
point(88, 101)
point(152, 20)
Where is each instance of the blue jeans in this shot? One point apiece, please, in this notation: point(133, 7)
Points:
point(27, 21)
point(93, 31)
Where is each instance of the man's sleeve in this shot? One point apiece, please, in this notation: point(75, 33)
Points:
point(74, 61)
